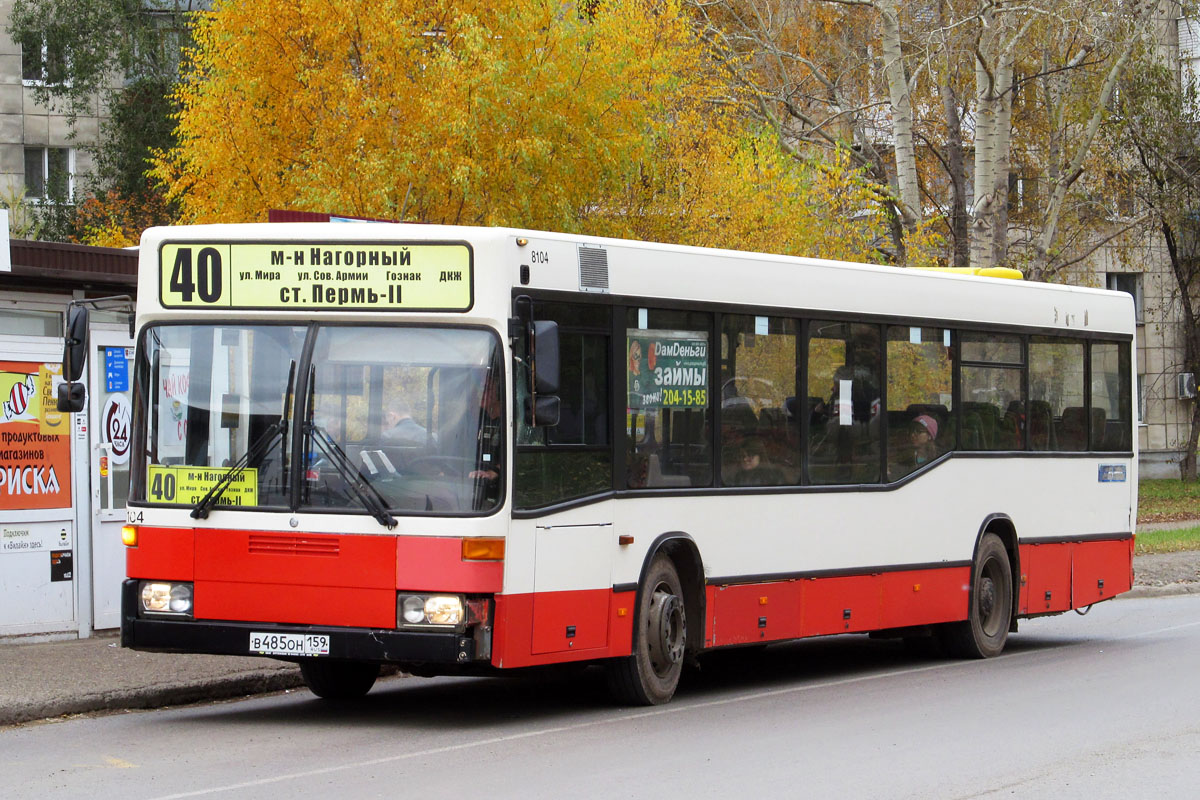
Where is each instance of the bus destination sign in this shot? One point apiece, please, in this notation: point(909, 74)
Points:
point(316, 276)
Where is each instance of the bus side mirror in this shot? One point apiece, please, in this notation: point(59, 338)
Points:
point(75, 343)
point(545, 357)
point(71, 397)
point(542, 412)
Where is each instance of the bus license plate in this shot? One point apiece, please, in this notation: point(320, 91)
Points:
point(289, 644)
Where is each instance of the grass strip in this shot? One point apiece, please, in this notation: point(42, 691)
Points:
point(1164, 498)
point(1169, 541)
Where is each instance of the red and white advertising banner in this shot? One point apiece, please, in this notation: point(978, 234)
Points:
point(35, 444)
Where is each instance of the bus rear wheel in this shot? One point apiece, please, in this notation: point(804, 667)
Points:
point(985, 631)
point(338, 680)
point(651, 675)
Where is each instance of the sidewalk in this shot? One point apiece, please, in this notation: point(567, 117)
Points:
point(45, 680)
point(50, 679)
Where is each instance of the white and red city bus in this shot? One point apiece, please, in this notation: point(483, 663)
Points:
point(462, 450)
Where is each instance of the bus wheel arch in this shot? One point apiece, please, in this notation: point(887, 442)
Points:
point(668, 623)
point(1001, 525)
point(991, 601)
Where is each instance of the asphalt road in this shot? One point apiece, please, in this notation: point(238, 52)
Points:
point(1102, 706)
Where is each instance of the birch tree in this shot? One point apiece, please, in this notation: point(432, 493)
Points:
point(951, 70)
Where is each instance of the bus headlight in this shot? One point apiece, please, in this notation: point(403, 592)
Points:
point(430, 611)
point(167, 598)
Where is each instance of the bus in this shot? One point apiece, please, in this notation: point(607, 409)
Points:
point(468, 450)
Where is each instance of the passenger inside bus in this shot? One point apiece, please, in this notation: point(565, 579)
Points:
point(922, 436)
point(401, 429)
point(754, 468)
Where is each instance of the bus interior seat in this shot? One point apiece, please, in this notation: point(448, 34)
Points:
point(656, 478)
point(1041, 426)
point(979, 422)
point(1099, 418)
point(1116, 435)
point(1072, 433)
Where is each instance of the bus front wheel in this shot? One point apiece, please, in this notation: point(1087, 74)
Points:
point(985, 630)
point(651, 674)
point(338, 680)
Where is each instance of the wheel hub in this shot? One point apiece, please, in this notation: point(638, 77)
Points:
point(667, 631)
point(987, 598)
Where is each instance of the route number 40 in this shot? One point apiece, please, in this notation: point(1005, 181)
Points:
point(207, 280)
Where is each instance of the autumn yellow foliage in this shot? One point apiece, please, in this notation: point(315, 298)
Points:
point(607, 118)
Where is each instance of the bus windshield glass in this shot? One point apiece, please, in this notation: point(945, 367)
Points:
point(416, 413)
point(217, 394)
point(404, 418)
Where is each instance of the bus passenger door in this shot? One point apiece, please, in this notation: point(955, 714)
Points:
point(572, 582)
point(570, 461)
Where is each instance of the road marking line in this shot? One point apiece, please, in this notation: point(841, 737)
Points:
point(677, 708)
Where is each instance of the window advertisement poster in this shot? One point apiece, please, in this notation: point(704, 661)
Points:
point(35, 445)
point(174, 381)
point(666, 369)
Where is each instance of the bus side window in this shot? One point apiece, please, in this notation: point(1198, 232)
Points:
point(844, 430)
point(668, 411)
point(920, 380)
point(758, 377)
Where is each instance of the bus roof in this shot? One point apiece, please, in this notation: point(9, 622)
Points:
point(649, 272)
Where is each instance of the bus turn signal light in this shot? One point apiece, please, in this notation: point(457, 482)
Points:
point(129, 536)
point(483, 549)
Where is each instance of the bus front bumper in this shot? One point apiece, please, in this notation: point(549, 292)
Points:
point(219, 637)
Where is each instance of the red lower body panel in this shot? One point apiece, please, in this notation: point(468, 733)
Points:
point(819, 606)
point(302, 578)
point(1059, 576)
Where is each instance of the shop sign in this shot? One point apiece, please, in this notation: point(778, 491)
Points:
point(35, 448)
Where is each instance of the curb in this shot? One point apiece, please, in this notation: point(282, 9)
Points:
point(260, 682)
point(1165, 590)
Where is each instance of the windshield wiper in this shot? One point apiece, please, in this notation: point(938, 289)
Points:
point(276, 432)
point(363, 490)
point(367, 494)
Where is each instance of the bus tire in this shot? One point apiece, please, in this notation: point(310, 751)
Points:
point(651, 674)
point(338, 680)
point(985, 631)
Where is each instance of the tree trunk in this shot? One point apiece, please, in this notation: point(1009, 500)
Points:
point(956, 164)
point(908, 187)
point(983, 209)
point(1003, 168)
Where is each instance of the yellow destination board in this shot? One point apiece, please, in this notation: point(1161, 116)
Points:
point(188, 485)
point(316, 276)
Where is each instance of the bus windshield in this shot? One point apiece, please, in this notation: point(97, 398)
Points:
point(404, 418)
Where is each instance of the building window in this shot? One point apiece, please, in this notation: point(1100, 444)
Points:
point(41, 65)
point(49, 173)
point(1189, 48)
point(1131, 284)
point(25, 322)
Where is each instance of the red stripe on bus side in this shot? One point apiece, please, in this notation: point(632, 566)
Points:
point(794, 609)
